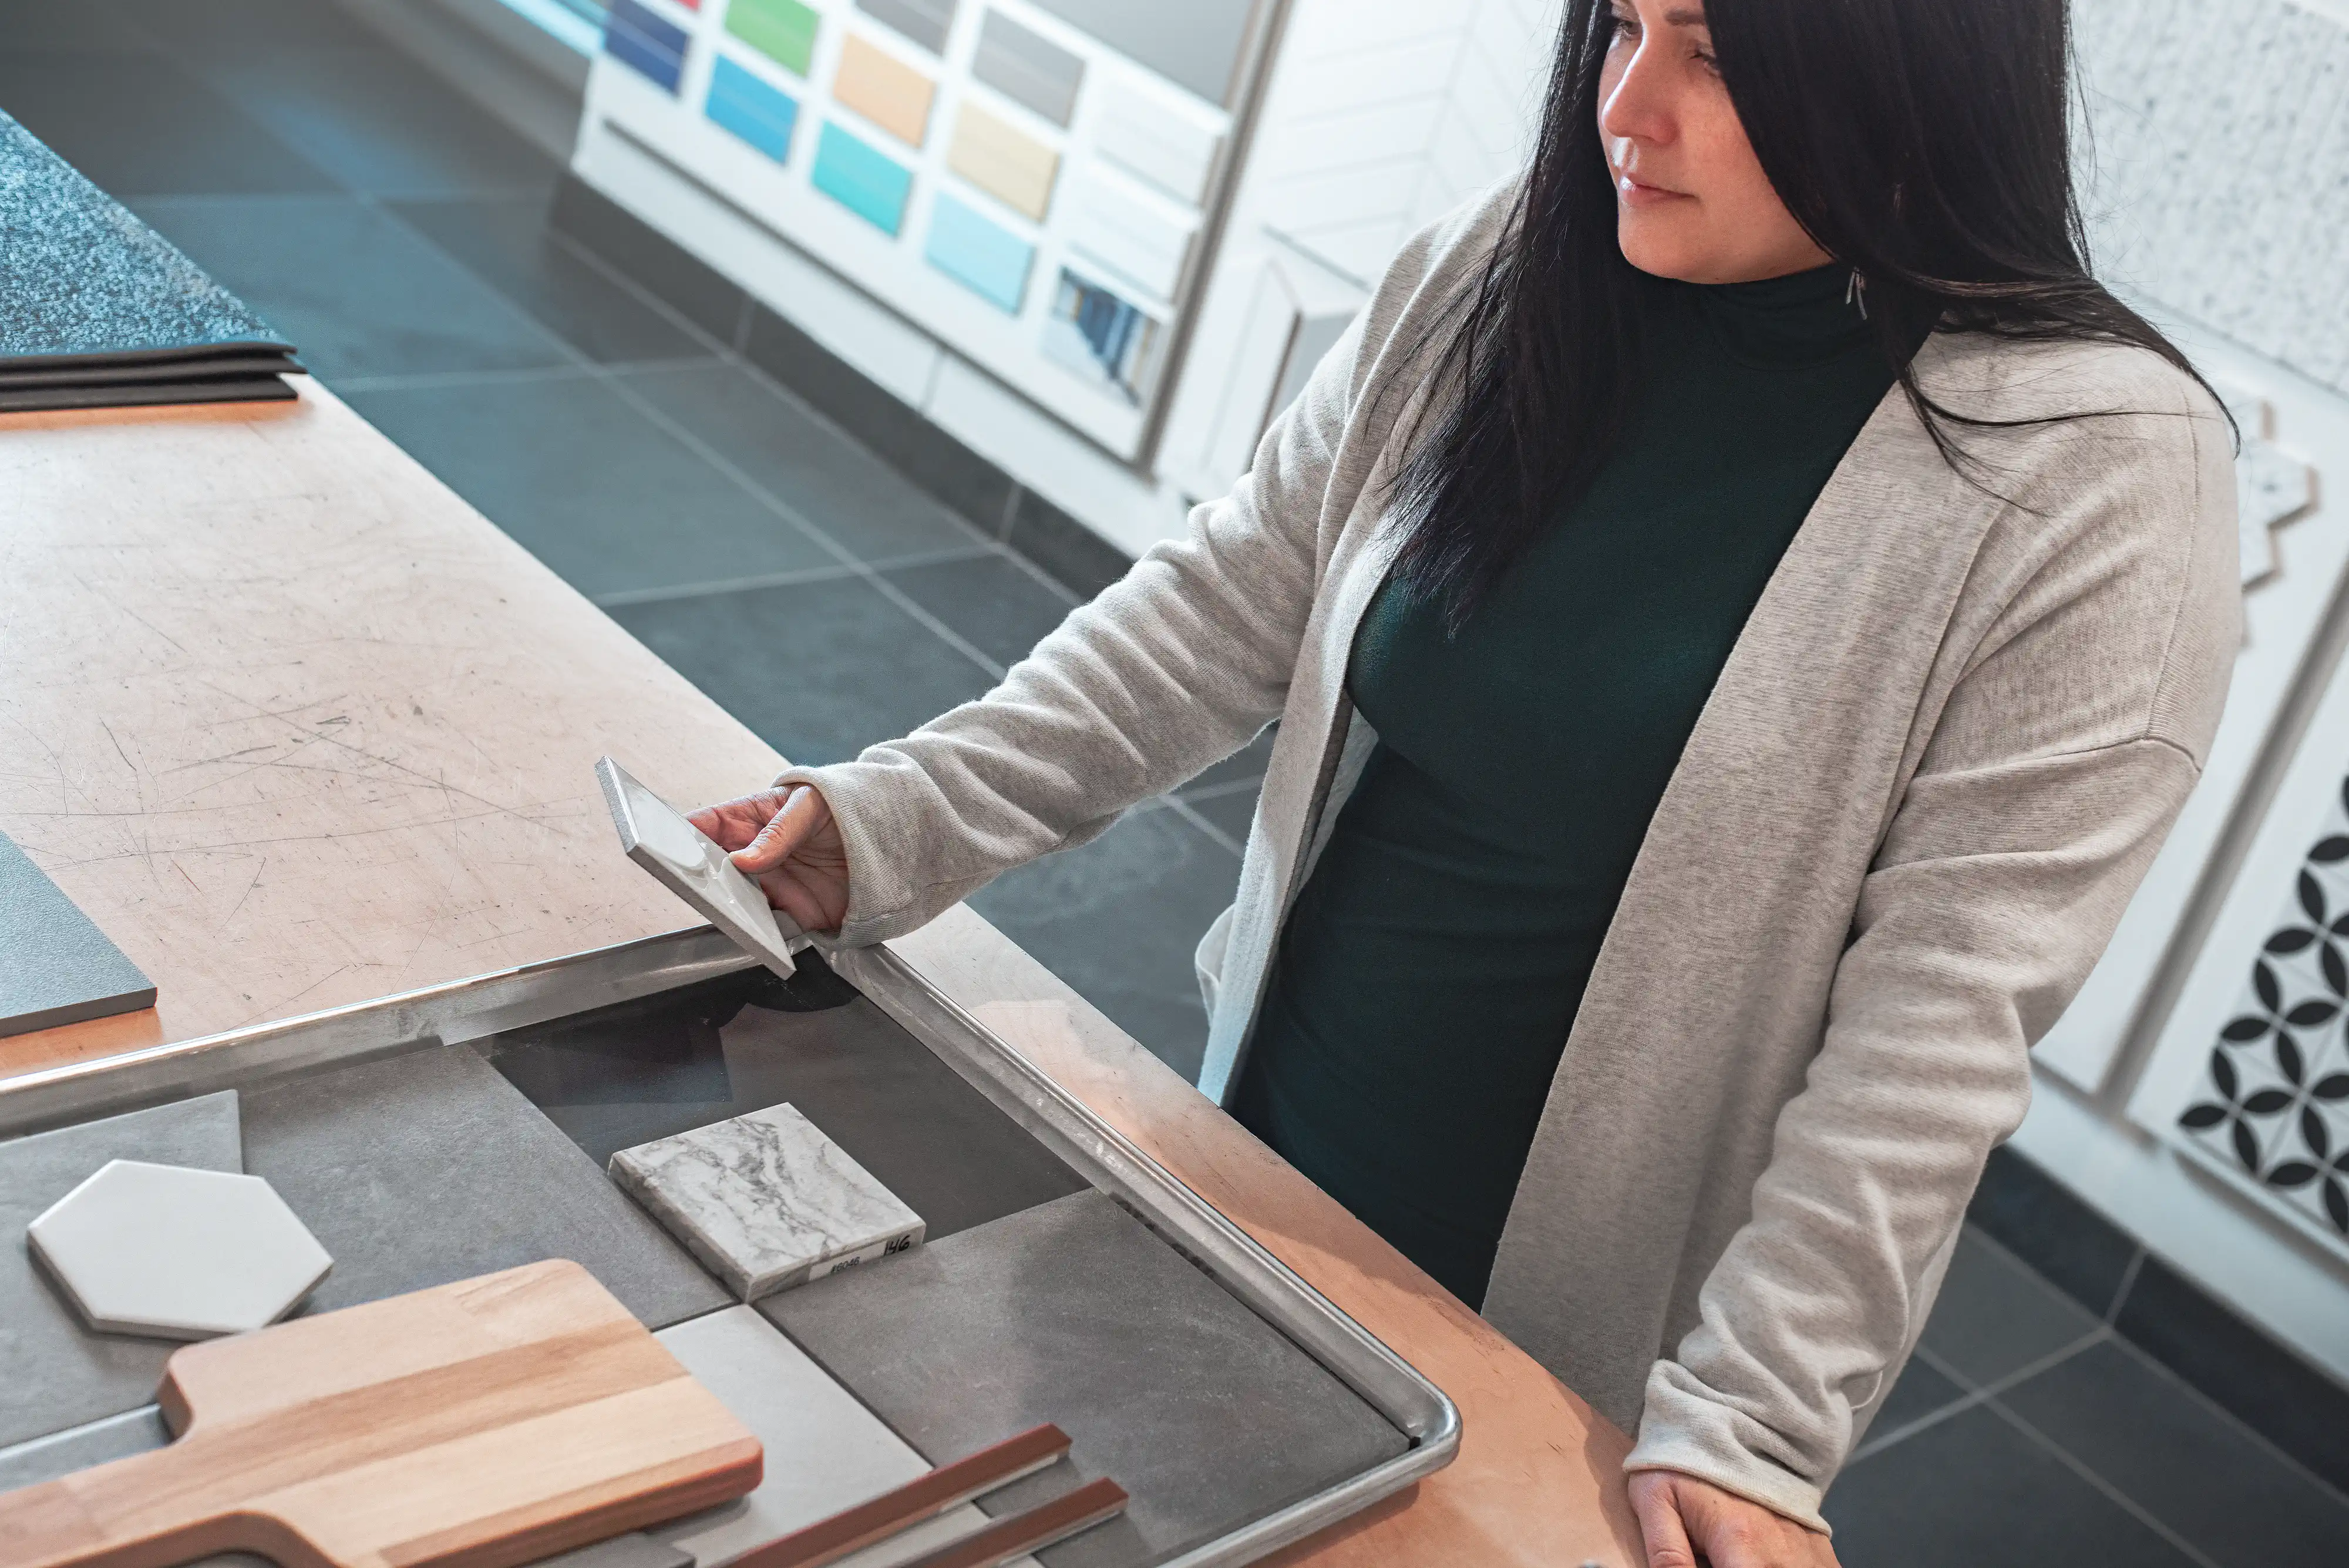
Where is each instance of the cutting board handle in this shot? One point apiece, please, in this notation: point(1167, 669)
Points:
point(50, 1526)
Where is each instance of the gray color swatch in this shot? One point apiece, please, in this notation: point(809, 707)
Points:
point(1028, 67)
point(56, 966)
point(925, 22)
point(426, 1166)
point(1196, 45)
point(634, 1550)
point(56, 1372)
point(1075, 1314)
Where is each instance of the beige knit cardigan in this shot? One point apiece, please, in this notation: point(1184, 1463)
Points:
point(1941, 756)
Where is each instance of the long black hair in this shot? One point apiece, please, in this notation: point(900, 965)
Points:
point(1924, 143)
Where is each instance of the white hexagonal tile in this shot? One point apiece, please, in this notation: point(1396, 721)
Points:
point(176, 1253)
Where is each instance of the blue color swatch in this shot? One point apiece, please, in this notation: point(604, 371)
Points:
point(866, 182)
point(977, 250)
point(653, 45)
point(752, 109)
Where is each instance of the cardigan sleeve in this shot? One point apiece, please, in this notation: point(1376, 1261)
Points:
point(1175, 666)
point(2062, 754)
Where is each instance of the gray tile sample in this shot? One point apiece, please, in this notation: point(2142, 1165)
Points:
point(1028, 67)
point(54, 1373)
point(109, 1437)
point(426, 1166)
point(1075, 1314)
point(926, 22)
point(171, 1252)
point(636, 1549)
point(642, 1070)
point(766, 1201)
point(825, 1451)
point(56, 966)
point(1196, 45)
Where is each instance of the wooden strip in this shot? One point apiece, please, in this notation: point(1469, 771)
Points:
point(1033, 1530)
point(924, 1497)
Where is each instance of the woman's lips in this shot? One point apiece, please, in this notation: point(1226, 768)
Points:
point(1632, 192)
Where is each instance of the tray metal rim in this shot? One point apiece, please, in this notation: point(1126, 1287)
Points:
point(463, 1010)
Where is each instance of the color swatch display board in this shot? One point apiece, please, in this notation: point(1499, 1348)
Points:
point(1026, 180)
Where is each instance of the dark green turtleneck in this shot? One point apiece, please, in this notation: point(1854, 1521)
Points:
point(1431, 968)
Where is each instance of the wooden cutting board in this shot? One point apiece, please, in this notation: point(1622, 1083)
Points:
point(487, 1423)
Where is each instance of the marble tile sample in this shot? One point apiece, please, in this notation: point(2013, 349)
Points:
point(59, 967)
point(55, 1371)
point(885, 90)
point(425, 1167)
point(1073, 1313)
point(79, 1448)
point(1003, 160)
point(825, 1451)
point(174, 1252)
point(642, 1070)
point(766, 1200)
point(656, 836)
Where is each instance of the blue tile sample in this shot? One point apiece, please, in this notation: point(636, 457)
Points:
point(758, 113)
point(866, 182)
point(653, 45)
point(975, 250)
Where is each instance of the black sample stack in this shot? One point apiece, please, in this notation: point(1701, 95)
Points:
point(98, 310)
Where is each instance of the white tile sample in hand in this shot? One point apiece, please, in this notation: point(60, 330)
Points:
point(766, 1200)
point(825, 1451)
point(173, 1252)
point(682, 859)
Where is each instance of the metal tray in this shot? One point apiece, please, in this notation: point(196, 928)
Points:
point(513, 999)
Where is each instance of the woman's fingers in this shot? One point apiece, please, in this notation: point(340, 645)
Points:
point(803, 814)
point(733, 824)
point(1660, 1530)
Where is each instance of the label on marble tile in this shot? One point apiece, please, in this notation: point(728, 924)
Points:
point(766, 1200)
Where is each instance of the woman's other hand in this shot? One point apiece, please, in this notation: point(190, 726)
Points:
point(1685, 1521)
point(786, 841)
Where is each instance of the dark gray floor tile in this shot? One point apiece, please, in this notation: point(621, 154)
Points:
point(1246, 766)
point(1974, 1492)
point(683, 280)
point(1996, 1316)
point(1231, 810)
point(1920, 1393)
point(356, 291)
point(1119, 919)
point(49, 24)
point(867, 507)
point(137, 126)
point(2269, 1388)
point(1073, 1313)
point(2035, 1216)
point(1071, 551)
point(505, 242)
point(2189, 1466)
point(590, 486)
point(381, 123)
point(243, 29)
point(821, 671)
point(995, 604)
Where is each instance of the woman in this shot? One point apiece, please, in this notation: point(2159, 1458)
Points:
point(1743, 609)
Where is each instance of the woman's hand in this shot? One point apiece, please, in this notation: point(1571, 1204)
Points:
point(1685, 1521)
point(786, 841)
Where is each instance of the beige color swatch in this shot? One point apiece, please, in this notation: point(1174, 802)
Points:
point(1003, 160)
point(885, 90)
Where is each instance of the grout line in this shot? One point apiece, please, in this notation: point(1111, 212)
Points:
point(626, 597)
point(2112, 1493)
point(1010, 511)
point(2121, 1292)
point(1217, 791)
point(744, 315)
point(1975, 1394)
point(1190, 813)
